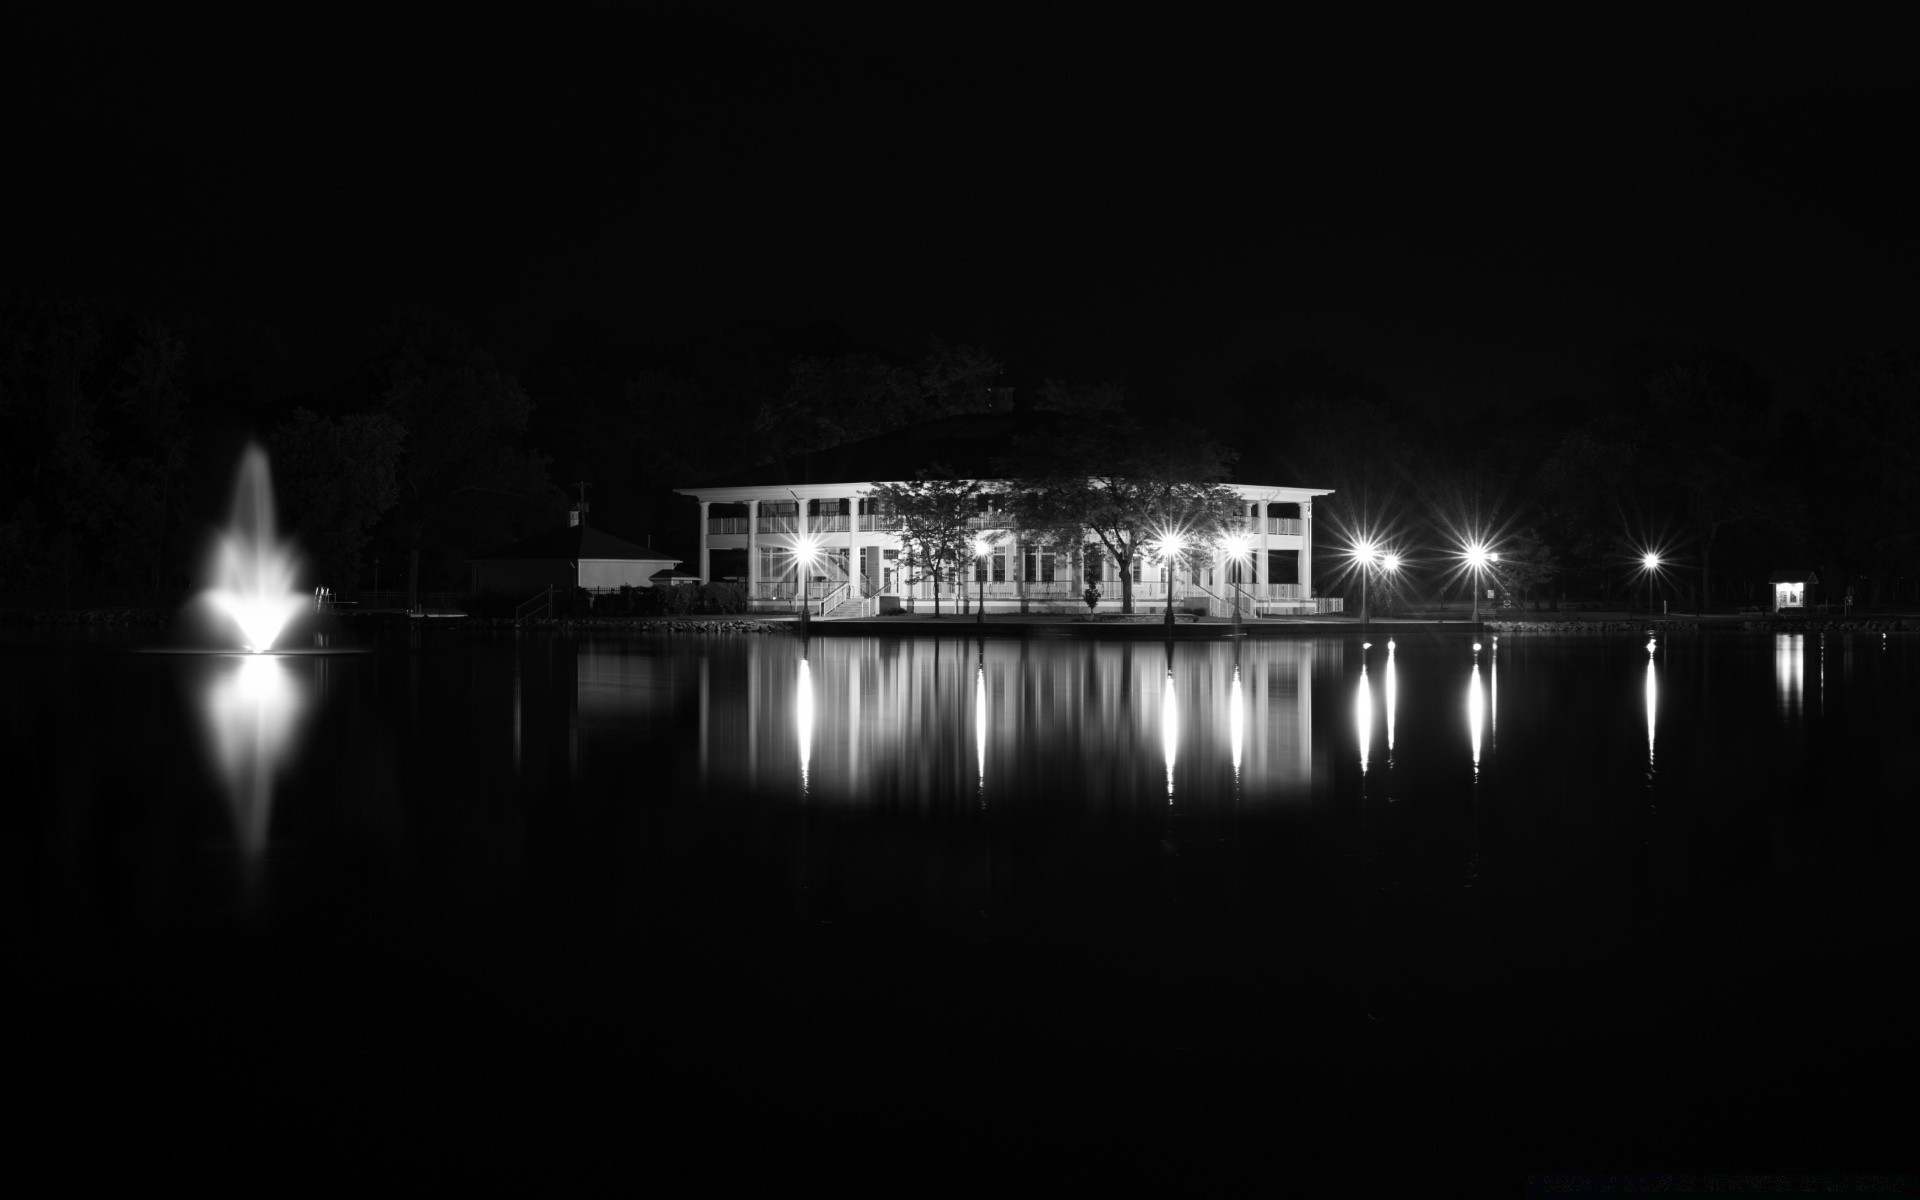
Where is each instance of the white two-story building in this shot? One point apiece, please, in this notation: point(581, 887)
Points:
point(750, 526)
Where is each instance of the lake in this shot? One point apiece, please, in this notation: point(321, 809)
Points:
point(1558, 903)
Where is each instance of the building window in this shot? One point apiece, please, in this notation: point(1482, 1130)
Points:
point(999, 568)
point(776, 563)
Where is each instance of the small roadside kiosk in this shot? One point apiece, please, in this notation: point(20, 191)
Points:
point(1792, 590)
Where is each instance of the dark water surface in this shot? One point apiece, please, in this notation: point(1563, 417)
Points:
point(1094, 903)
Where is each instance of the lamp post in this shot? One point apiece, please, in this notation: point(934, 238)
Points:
point(1237, 546)
point(1170, 544)
point(981, 548)
point(1365, 553)
point(1650, 564)
point(1478, 556)
point(805, 550)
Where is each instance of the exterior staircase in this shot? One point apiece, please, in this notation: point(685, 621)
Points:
point(854, 607)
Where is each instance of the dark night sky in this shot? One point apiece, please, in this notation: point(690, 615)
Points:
point(1473, 215)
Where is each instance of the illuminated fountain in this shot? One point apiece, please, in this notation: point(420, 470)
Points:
point(252, 705)
point(252, 569)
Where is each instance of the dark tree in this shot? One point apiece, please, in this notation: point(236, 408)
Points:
point(467, 481)
point(335, 478)
point(1128, 481)
point(933, 515)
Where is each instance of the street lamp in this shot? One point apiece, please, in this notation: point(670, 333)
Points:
point(805, 551)
point(1478, 558)
point(1366, 553)
point(1170, 546)
point(1370, 558)
point(981, 548)
point(1649, 564)
point(1237, 546)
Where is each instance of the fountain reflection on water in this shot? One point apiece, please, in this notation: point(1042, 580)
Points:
point(251, 710)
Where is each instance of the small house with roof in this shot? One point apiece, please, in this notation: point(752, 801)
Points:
point(1793, 590)
point(577, 556)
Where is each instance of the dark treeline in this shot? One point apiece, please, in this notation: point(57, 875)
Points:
point(119, 432)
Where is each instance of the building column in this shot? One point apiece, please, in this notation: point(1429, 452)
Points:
point(753, 551)
point(706, 553)
point(853, 548)
point(1265, 572)
point(1306, 550)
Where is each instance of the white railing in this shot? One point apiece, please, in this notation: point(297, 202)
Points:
point(787, 523)
point(831, 523)
point(878, 522)
point(1285, 526)
point(819, 607)
point(727, 524)
point(1057, 589)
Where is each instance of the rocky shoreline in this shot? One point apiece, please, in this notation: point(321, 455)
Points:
point(1841, 625)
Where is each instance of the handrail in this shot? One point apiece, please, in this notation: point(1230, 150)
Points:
point(831, 597)
point(543, 600)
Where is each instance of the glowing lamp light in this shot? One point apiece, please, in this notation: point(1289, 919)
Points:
point(1236, 545)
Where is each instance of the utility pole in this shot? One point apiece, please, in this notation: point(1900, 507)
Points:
point(581, 507)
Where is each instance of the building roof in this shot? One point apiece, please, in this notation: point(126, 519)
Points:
point(969, 444)
point(572, 544)
point(1793, 577)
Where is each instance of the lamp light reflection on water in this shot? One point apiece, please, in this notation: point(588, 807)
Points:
point(980, 726)
point(1169, 728)
point(1493, 692)
point(1236, 720)
point(1363, 710)
point(1789, 670)
point(1653, 704)
point(1475, 710)
point(251, 711)
point(803, 721)
point(1392, 698)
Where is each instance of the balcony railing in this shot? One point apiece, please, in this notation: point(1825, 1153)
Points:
point(727, 524)
point(779, 523)
point(1285, 526)
point(878, 522)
